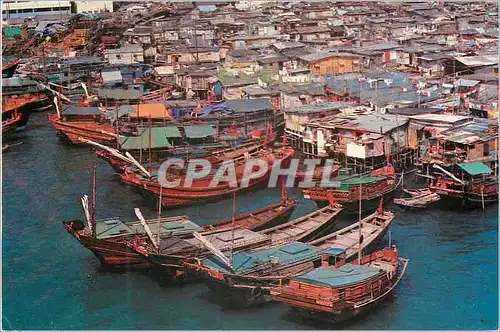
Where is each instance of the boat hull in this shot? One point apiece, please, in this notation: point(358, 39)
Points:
point(73, 131)
point(339, 316)
point(111, 255)
point(239, 297)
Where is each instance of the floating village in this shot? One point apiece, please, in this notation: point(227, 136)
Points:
point(393, 102)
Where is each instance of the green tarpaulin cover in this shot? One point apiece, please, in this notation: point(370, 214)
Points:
point(11, 32)
point(475, 168)
point(159, 138)
point(199, 131)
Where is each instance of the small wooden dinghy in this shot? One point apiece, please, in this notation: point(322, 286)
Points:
point(259, 219)
point(420, 198)
point(373, 229)
point(305, 227)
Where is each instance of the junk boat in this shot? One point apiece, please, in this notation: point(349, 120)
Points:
point(470, 184)
point(374, 185)
point(336, 291)
point(201, 190)
point(111, 240)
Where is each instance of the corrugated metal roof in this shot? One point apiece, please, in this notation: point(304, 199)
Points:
point(324, 55)
point(318, 108)
point(119, 94)
point(110, 77)
point(250, 105)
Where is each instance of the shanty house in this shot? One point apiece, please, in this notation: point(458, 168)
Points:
point(322, 63)
point(193, 55)
point(125, 55)
point(295, 95)
point(476, 140)
point(297, 117)
point(362, 139)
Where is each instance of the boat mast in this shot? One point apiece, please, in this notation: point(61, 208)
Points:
point(360, 222)
point(232, 225)
point(93, 201)
point(159, 216)
point(150, 143)
point(116, 123)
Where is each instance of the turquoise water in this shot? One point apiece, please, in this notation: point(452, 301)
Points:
point(51, 282)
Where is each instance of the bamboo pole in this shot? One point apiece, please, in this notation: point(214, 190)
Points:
point(159, 216)
point(360, 222)
point(94, 199)
point(232, 225)
point(482, 196)
point(150, 143)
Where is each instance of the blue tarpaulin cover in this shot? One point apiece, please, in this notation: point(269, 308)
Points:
point(245, 262)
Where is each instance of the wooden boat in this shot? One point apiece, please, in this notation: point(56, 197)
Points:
point(172, 254)
point(337, 291)
point(5, 147)
point(15, 112)
point(215, 155)
point(304, 228)
point(373, 229)
point(420, 199)
point(11, 120)
point(201, 190)
point(109, 241)
point(258, 219)
point(9, 68)
point(253, 274)
point(469, 184)
point(375, 185)
point(76, 123)
point(418, 192)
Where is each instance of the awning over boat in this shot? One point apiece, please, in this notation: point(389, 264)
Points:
point(466, 83)
point(476, 168)
point(76, 110)
point(356, 180)
point(159, 138)
point(246, 262)
point(199, 131)
point(171, 131)
point(347, 274)
point(155, 111)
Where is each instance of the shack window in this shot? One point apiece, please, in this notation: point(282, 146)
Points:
point(486, 149)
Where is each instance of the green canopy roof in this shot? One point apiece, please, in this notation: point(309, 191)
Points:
point(199, 131)
point(475, 168)
point(345, 275)
point(159, 138)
